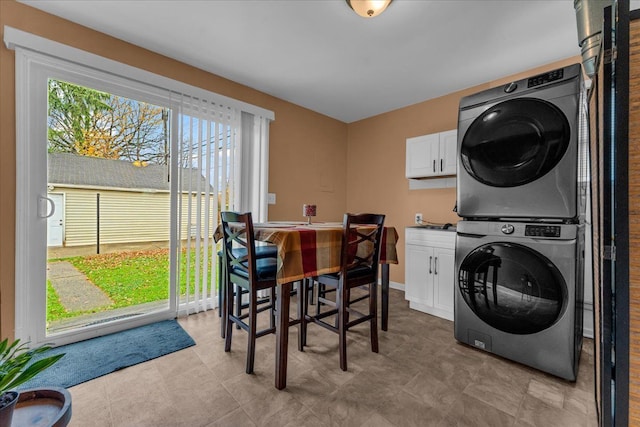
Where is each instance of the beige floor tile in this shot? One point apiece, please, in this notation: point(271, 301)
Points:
point(237, 418)
point(470, 412)
point(377, 420)
point(501, 384)
point(535, 412)
point(548, 393)
point(404, 409)
point(420, 377)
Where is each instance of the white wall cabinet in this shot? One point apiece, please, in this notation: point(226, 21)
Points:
point(429, 270)
point(431, 155)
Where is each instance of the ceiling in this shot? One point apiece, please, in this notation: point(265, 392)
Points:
point(319, 54)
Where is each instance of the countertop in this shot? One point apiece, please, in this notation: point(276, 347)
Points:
point(434, 227)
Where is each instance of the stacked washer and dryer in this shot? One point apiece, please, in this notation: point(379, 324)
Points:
point(520, 244)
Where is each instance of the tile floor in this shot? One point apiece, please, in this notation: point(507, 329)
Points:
point(421, 377)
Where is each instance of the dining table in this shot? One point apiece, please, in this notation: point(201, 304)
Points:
point(307, 250)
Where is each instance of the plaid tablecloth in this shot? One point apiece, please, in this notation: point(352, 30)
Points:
point(311, 250)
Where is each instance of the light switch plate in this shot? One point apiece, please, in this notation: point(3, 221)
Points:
point(271, 198)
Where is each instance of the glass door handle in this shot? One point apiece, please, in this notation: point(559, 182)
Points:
point(43, 204)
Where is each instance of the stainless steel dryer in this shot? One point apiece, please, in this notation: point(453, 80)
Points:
point(519, 292)
point(518, 149)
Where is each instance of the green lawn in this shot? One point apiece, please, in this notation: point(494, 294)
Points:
point(127, 278)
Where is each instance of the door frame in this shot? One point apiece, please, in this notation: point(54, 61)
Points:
point(33, 70)
point(613, 358)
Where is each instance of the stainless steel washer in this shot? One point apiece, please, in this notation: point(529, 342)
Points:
point(518, 149)
point(519, 292)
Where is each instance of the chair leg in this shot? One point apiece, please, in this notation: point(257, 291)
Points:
point(228, 312)
point(341, 299)
point(223, 302)
point(310, 283)
point(347, 303)
point(272, 310)
point(220, 287)
point(238, 290)
point(321, 293)
point(251, 344)
point(373, 311)
point(303, 295)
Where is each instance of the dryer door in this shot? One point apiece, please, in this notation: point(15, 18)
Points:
point(515, 142)
point(512, 287)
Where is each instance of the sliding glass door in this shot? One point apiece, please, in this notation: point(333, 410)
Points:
point(97, 207)
point(121, 175)
point(119, 189)
point(108, 189)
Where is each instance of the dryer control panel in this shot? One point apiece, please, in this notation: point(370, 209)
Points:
point(542, 230)
point(545, 78)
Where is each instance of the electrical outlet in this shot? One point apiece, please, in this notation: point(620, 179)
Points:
point(418, 218)
point(271, 198)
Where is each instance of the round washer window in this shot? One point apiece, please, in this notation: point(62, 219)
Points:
point(512, 287)
point(515, 142)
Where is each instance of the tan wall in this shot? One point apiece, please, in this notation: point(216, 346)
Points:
point(298, 173)
point(376, 161)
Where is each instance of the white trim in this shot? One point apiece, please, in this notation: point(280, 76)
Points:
point(17, 38)
point(396, 285)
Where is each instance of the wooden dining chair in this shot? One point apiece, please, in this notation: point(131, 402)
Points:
point(243, 270)
point(360, 253)
point(262, 252)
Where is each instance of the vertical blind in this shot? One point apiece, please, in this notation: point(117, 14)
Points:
point(208, 136)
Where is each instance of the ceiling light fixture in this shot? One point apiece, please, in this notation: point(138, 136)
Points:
point(368, 8)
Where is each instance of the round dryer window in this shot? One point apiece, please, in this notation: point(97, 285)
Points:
point(512, 287)
point(515, 142)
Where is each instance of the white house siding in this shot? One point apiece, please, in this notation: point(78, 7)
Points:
point(125, 216)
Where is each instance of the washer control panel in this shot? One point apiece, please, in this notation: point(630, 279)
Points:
point(545, 78)
point(542, 230)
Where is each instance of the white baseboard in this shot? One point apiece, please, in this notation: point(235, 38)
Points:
point(396, 285)
point(587, 321)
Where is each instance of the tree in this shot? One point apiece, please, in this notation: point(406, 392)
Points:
point(72, 110)
point(92, 123)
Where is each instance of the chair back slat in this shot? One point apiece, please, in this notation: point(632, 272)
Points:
point(237, 229)
point(361, 241)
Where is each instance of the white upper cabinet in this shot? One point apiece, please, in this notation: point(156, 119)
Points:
point(432, 155)
point(448, 151)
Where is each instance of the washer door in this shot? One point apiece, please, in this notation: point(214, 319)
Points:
point(515, 142)
point(512, 287)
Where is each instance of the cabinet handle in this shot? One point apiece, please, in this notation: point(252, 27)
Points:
point(435, 266)
point(430, 259)
point(441, 165)
point(434, 165)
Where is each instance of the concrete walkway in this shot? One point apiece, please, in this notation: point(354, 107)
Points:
point(75, 291)
point(64, 252)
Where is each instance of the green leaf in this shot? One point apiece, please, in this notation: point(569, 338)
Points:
point(16, 366)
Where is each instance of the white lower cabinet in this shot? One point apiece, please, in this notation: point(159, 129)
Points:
point(429, 270)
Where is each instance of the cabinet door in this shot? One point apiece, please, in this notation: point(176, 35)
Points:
point(420, 155)
point(444, 276)
point(448, 150)
point(419, 274)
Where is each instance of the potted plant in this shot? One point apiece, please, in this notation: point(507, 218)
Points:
point(15, 369)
